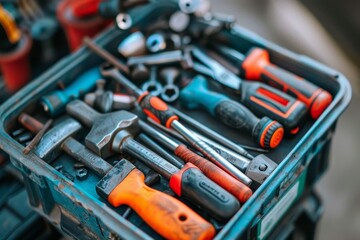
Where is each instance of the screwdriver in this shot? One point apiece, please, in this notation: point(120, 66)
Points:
point(261, 99)
point(265, 132)
point(156, 109)
point(236, 188)
point(258, 169)
point(256, 65)
point(123, 184)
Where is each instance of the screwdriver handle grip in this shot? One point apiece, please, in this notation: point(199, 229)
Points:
point(156, 109)
point(216, 174)
point(168, 216)
point(267, 133)
point(56, 101)
point(265, 100)
point(192, 184)
point(257, 66)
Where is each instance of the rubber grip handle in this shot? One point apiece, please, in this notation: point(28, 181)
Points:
point(216, 174)
point(166, 215)
point(257, 66)
point(233, 114)
point(266, 132)
point(197, 95)
point(193, 185)
point(83, 112)
point(56, 101)
point(264, 100)
point(157, 109)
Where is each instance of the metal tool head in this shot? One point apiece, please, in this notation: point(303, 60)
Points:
point(260, 167)
point(103, 126)
point(49, 146)
point(152, 87)
point(101, 135)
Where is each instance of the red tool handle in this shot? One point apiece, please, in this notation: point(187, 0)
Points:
point(219, 176)
point(257, 66)
point(264, 100)
point(157, 109)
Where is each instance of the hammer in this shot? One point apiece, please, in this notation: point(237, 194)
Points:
point(113, 133)
point(123, 183)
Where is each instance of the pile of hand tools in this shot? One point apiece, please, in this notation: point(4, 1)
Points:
point(134, 123)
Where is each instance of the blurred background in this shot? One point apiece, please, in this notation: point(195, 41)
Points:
point(328, 31)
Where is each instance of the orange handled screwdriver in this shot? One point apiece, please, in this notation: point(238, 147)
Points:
point(123, 184)
point(233, 186)
point(256, 65)
point(160, 112)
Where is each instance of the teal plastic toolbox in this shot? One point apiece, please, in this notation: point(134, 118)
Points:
point(76, 209)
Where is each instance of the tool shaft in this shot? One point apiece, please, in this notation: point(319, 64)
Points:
point(157, 149)
point(106, 55)
point(147, 156)
point(211, 133)
point(210, 153)
point(239, 190)
point(85, 156)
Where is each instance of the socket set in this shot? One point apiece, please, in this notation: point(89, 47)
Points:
point(179, 125)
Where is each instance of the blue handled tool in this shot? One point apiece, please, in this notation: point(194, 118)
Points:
point(266, 132)
point(54, 103)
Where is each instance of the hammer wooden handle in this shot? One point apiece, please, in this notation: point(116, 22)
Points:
point(157, 208)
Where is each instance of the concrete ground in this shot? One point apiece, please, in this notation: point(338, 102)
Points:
point(289, 24)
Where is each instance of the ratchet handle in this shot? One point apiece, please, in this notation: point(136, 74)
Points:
point(193, 185)
point(216, 174)
point(176, 215)
point(157, 109)
point(264, 100)
point(257, 66)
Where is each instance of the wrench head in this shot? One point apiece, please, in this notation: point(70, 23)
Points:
point(154, 88)
point(101, 135)
point(170, 93)
point(259, 169)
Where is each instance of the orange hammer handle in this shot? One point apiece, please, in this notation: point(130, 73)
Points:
point(219, 176)
point(166, 215)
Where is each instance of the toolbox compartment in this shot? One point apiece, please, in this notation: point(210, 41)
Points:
point(75, 208)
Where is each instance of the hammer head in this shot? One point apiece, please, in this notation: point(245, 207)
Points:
point(104, 129)
point(49, 146)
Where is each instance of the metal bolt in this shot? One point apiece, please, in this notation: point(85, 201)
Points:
point(82, 174)
point(262, 167)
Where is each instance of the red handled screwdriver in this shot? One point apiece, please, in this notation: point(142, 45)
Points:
point(256, 65)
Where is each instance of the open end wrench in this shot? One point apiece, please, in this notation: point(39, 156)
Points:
point(152, 85)
point(170, 92)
